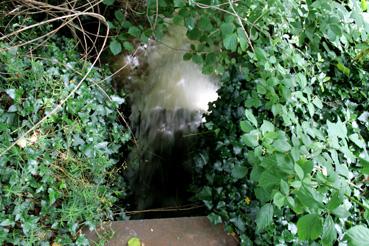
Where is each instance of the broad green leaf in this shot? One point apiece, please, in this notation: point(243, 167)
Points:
point(227, 28)
point(242, 39)
point(291, 202)
point(357, 140)
point(264, 217)
point(329, 232)
point(197, 59)
point(306, 165)
point(299, 171)
point(246, 126)
point(267, 126)
point(250, 116)
point(309, 227)
point(239, 172)
point(230, 42)
point(250, 139)
point(115, 47)
point(357, 236)
point(285, 189)
point(205, 24)
point(337, 129)
point(317, 102)
point(279, 199)
point(281, 145)
point(335, 201)
point(341, 212)
point(309, 197)
point(311, 109)
point(269, 180)
point(128, 46)
point(260, 54)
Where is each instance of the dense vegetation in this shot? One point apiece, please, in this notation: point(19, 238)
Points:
point(62, 176)
point(290, 130)
point(285, 154)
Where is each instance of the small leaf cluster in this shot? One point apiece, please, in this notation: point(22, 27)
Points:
point(62, 176)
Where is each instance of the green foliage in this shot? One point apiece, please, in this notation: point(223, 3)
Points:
point(357, 236)
point(133, 22)
point(290, 130)
point(63, 175)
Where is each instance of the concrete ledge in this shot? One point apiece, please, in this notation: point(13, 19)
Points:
point(186, 231)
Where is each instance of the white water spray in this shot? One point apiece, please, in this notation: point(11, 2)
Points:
point(168, 102)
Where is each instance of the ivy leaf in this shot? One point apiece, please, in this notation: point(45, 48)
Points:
point(214, 218)
point(128, 46)
point(115, 47)
point(357, 236)
point(250, 116)
point(134, 31)
point(119, 15)
point(230, 42)
point(264, 217)
point(309, 227)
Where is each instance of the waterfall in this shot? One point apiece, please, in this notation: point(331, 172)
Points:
point(168, 101)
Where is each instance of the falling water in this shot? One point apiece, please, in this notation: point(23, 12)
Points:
point(169, 99)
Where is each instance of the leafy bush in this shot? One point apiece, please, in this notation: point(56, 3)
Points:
point(289, 162)
point(63, 175)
